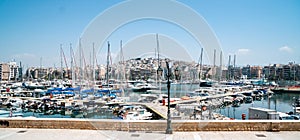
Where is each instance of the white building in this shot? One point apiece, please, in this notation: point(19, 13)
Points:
point(9, 71)
point(14, 71)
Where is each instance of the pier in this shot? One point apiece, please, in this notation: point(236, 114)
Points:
point(161, 110)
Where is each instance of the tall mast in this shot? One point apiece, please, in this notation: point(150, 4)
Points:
point(61, 62)
point(123, 67)
point(158, 61)
point(98, 68)
point(229, 68)
point(234, 60)
point(107, 64)
point(156, 72)
point(214, 67)
point(200, 69)
point(21, 72)
point(221, 61)
point(84, 75)
point(89, 69)
point(63, 57)
point(94, 80)
point(80, 63)
point(157, 45)
point(72, 65)
point(122, 61)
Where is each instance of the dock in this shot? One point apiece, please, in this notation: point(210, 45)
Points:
point(161, 110)
point(157, 108)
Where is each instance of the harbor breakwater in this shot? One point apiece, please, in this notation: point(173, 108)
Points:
point(152, 125)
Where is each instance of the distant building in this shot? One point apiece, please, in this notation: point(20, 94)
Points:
point(10, 71)
point(234, 72)
point(4, 72)
point(256, 72)
point(246, 71)
point(290, 71)
point(278, 72)
point(146, 68)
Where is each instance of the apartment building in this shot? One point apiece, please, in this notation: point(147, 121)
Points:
point(4, 72)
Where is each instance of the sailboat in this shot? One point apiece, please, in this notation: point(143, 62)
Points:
point(147, 87)
point(107, 89)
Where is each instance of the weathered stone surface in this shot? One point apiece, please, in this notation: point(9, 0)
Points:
point(159, 125)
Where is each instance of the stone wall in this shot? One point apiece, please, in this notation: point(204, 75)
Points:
point(151, 125)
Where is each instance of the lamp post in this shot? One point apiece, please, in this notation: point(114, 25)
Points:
point(160, 71)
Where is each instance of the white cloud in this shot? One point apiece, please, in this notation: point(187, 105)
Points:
point(286, 49)
point(23, 56)
point(27, 59)
point(243, 51)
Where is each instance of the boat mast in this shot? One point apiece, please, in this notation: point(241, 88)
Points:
point(80, 63)
point(234, 60)
point(98, 68)
point(157, 46)
point(85, 75)
point(61, 62)
point(63, 57)
point(221, 61)
point(158, 61)
point(156, 72)
point(214, 67)
point(124, 79)
point(294, 67)
point(94, 80)
point(200, 66)
point(229, 68)
point(72, 65)
point(107, 64)
point(123, 61)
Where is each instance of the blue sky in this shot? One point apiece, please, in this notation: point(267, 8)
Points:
point(259, 32)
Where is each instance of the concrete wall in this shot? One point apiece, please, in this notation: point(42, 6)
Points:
point(151, 125)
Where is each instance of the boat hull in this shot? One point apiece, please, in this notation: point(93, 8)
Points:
point(285, 91)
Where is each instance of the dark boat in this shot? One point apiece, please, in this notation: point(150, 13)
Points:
point(236, 103)
point(206, 84)
point(248, 99)
point(286, 90)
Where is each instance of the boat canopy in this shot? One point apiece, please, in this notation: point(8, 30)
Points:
point(88, 90)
